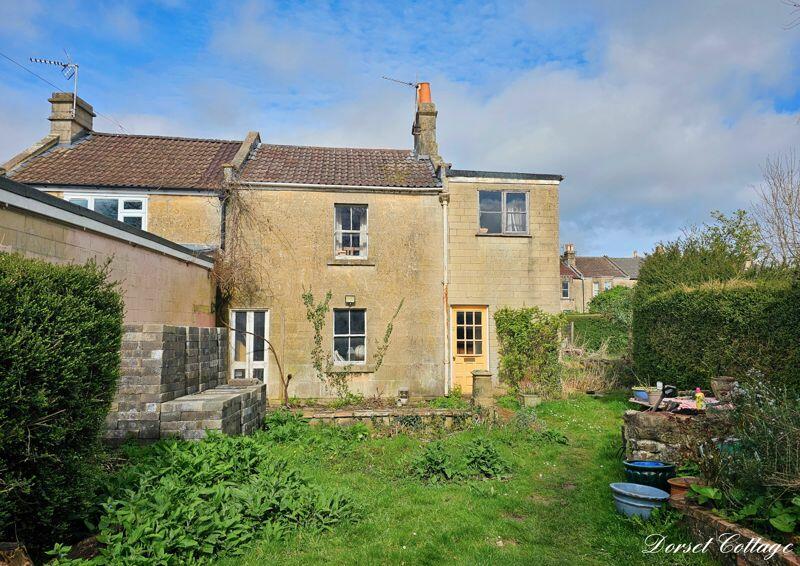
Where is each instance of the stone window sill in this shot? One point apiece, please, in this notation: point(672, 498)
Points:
point(364, 262)
point(355, 368)
point(482, 235)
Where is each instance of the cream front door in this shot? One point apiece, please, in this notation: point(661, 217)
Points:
point(469, 344)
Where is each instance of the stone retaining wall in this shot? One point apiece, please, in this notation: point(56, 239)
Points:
point(387, 417)
point(668, 437)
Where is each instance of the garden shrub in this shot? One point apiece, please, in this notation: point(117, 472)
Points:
point(755, 477)
point(483, 458)
point(612, 331)
point(59, 364)
point(284, 426)
point(436, 464)
point(687, 335)
point(191, 502)
point(529, 345)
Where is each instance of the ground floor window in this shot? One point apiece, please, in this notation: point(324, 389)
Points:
point(131, 210)
point(595, 288)
point(565, 288)
point(248, 344)
point(349, 335)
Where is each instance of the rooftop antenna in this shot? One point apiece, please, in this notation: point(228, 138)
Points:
point(69, 70)
point(414, 85)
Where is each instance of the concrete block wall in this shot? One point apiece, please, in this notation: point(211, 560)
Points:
point(160, 363)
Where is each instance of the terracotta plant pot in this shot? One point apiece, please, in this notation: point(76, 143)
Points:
point(723, 387)
point(679, 487)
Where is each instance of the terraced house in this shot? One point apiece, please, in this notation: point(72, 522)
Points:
point(375, 227)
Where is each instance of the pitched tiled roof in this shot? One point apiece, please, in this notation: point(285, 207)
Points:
point(117, 160)
point(597, 267)
point(338, 166)
point(567, 271)
point(629, 265)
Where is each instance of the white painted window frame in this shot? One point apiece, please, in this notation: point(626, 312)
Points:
point(565, 288)
point(363, 234)
point(121, 212)
point(249, 341)
point(335, 336)
point(595, 288)
point(608, 285)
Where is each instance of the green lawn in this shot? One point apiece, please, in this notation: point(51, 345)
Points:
point(556, 509)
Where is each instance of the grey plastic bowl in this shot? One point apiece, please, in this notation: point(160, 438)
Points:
point(633, 499)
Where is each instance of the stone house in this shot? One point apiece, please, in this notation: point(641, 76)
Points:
point(585, 277)
point(372, 226)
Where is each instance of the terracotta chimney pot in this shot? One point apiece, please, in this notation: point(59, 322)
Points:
point(424, 92)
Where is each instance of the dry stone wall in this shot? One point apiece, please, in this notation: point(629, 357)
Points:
point(161, 364)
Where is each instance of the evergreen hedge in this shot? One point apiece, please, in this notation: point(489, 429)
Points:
point(59, 363)
point(687, 335)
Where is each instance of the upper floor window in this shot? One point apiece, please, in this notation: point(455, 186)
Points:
point(349, 335)
point(565, 288)
point(503, 212)
point(127, 209)
point(350, 231)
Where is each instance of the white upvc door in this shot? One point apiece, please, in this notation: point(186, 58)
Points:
point(248, 344)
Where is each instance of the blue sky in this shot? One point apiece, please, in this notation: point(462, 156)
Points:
point(656, 112)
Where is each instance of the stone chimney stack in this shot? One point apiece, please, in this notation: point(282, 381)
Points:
point(635, 253)
point(65, 124)
point(569, 254)
point(424, 129)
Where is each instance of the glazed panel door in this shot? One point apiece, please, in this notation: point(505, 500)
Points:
point(469, 344)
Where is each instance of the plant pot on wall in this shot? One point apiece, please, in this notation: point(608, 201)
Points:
point(529, 399)
point(679, 487)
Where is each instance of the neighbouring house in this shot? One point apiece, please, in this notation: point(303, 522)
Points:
point(585, 277)
point(372, 226)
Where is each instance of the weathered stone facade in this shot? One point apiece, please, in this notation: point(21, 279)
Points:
point(500, 270)
point(405, 261)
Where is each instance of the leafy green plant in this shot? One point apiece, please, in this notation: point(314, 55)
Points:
point(703, 494)
point(284, 426)
point(192, 502)
point(454, 400)
point(436, 465)
point(529, 345)
point(59, 365)
point(483, 458)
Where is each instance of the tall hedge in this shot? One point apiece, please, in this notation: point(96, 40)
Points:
point(687, 335)
point(59, 363)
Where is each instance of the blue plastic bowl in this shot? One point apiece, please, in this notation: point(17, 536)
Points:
point(641, 394)
point(633, 499)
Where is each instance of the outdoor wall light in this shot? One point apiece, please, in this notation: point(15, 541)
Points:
point(349, 300)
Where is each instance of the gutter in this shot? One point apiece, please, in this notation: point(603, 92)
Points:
point(444, 199)
point(345, 188)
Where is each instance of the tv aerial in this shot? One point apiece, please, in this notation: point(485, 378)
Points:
point(69, 70)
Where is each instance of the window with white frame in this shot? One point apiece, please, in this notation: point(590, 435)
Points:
point(350, 231)
point(595, 288)
point(607, 286)
point(565, 288)
point(128, 209)
point(349, 336)
point(503, 212)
